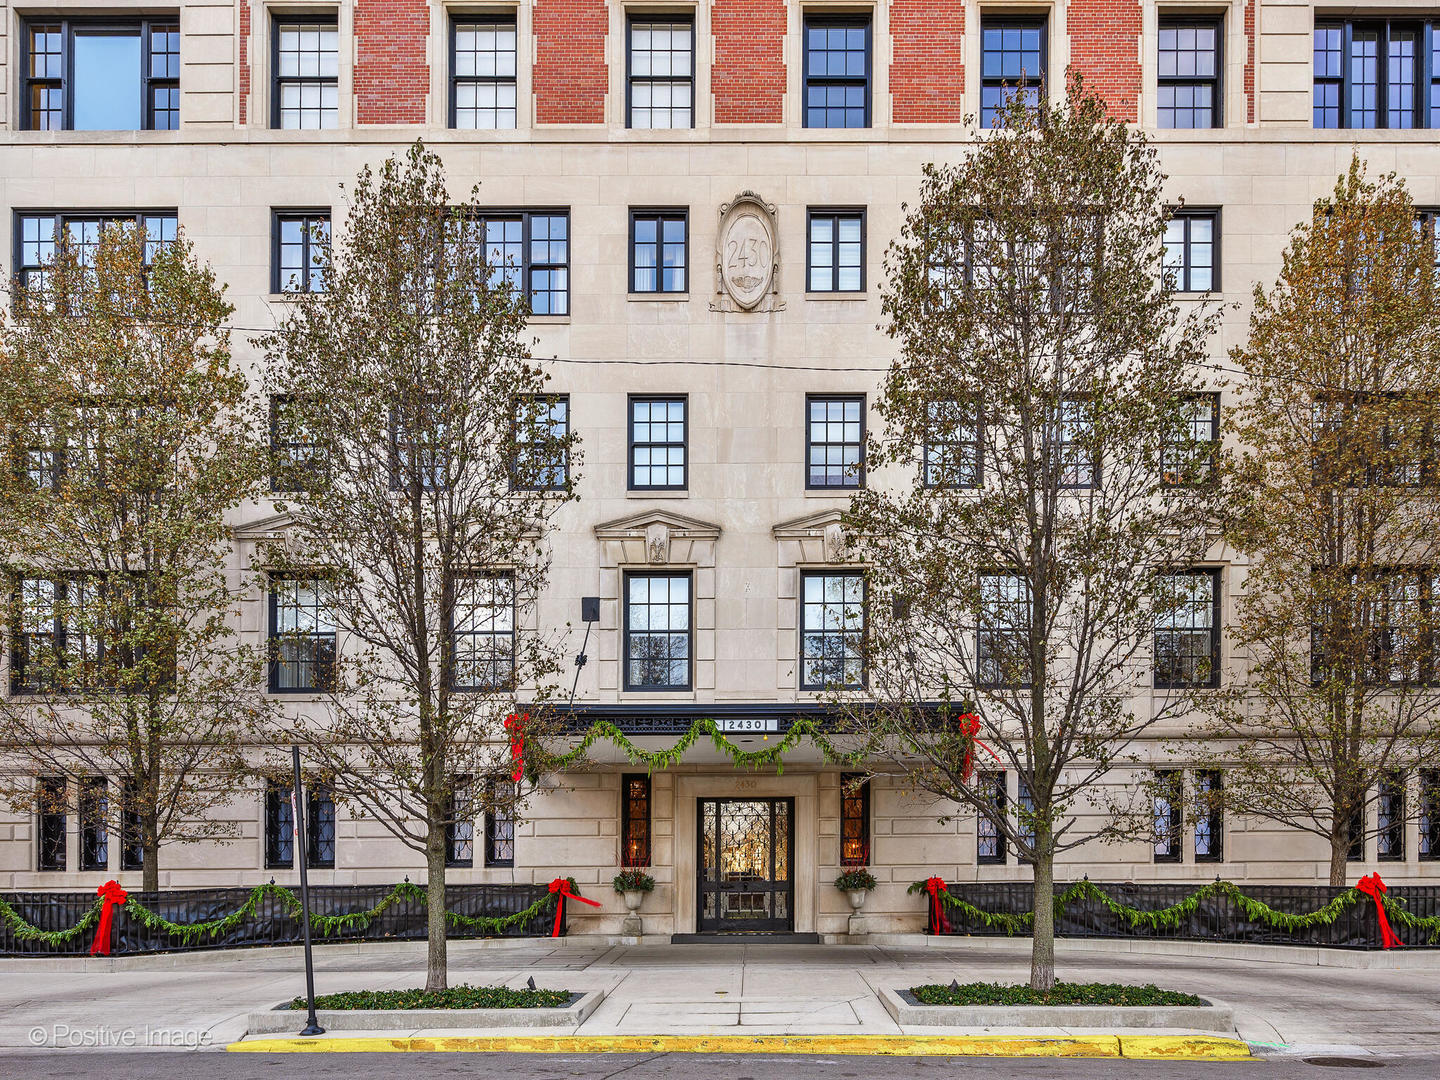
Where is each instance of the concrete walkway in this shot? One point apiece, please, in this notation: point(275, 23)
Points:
point(200, 1000)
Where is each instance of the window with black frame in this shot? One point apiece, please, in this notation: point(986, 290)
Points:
point(952, 450)
point(659, 441)
point(657, 631)
point(305, 90)
point(832, 630)
point(541, 450)
point(298, 459)
point(1187, 630)
point(57, 644)
point(460, 824)
point(989, 839)
point(835, 253)
point(302, 251)
point(1429, 814)
point(1078, 455)
point(1390, 818)
point(1002, 654)
point(50, 794)
point(1191, 248)
point(483, 91)
point(530, 251)
point(658, 251)
point(635, 820)
point(1012, 64)
point(1190, 454)
point(1167, 813)
point(94, 824)
point(320, 827)
point(482, 641)
point(500, 823)
point(279, 826)
point(660, 92)
point(1209, 816)
point(40, 235)
point(1188, 73)
point(1357, 834)
point(835, 441)
point(302, 636)
point(132, 847)
point(1025, 815)
point(837, 71)
point(97, 73)
point(854, 819)
point(1375, 73)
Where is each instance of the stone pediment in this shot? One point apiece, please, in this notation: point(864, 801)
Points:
point(271, 527)
point(658, 537)
point(812, 538)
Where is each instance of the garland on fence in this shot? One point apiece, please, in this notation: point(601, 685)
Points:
point(665, 759)
point(1170, 918)
point(327, 925)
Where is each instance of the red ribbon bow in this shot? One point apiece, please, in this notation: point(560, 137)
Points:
point(515, 725)
point(562, 886)
point(1373, 887)
point(970, 727)
point(112, 896)
point(939, 924)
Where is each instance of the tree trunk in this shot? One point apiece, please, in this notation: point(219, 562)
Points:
point(1339, 858)
point(149, 853)
point(1042, 945)
point(435, 922)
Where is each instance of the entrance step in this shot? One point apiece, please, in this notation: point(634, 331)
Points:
point(742, 937)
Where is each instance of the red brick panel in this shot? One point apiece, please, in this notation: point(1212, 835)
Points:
point(1105, 50)
point(748, 79)
point(927, 71)
point(570, 73)
point(244, 59)
point(392, 76)
point(1250, 61)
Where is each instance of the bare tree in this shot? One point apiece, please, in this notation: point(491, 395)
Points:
point(427, 463)
point(131, 439)
point(1036, 476)
point(1334, 487)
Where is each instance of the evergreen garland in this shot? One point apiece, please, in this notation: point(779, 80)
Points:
point(25, 931)
point(1171, 918)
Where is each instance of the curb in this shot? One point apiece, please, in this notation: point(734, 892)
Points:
point(1163, 1047)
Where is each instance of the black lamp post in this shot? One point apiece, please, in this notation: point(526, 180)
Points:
point(302, 856)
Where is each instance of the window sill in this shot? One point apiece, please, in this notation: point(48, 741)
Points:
point(657, 297)
point(661, 493)
point(832, 493)
point(549, 320)
point(841, 297)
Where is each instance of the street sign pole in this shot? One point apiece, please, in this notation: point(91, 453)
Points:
point(300, 853)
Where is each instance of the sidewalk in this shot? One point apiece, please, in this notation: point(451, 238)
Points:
point(706, 991)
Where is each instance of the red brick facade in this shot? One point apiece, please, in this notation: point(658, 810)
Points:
point(927, 72)
point(571, 76)
point(244, 59)
point(392, 77)
point(1250, 61)
point(1105, 49)
point(748, 78)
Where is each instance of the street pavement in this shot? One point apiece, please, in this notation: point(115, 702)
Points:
point(199, 1001)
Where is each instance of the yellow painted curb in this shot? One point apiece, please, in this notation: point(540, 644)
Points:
point(1183, 1047)
point(1146, 1046)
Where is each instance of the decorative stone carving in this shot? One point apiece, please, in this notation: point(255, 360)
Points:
point(657, 542)
point(834, 542)
point(747, 256)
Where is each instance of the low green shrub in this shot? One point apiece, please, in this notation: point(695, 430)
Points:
point(456, 997)
point(858, 878)
point(633, 881)
point(1062, 994)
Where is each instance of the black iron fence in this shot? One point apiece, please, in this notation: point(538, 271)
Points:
point(273, 922)
point(1216, 918)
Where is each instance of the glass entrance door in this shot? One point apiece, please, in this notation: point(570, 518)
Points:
point(745, 865)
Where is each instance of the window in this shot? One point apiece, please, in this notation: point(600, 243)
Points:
point(1012, 51)
point(101, 75)
point(1078, 455)
point(94, 831)
point(500, 823)
point(989, 840)
point(50, 809)
point(952, 445)
point(661, 89)
point(1209, 816)
point(482, 632)
point(279, 826)
point(1428, 220)
point(835, 257)
point(1430, 814)
point(657, 631)
point(854, 819)
point(1189, 73)
point(320, 828)
point(1390, 819)
point(542, 440)
point(419, 447)
point(57, 646)
point(1187, 632)
point(530, 252)
point(1003, 640)
point(835, 441)
point(1166, 814)
point(132, 847)
point(837, 72)
point(832, 630)
point(1190, 251)
point(1189, 458)
point(1376, 74)
point(460, 829)
point(306, 61)
point(302, 251)
point(658, 251)
point(1025, 817)
point(1374, 439)
point(38, 235)
point(1357, 835)
point(635, 820)
point(657, 443)
point(298, 460)
point(302, 636)
point(482, 73)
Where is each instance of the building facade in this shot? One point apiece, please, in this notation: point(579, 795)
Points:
point(698, 194)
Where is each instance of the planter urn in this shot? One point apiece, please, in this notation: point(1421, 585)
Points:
point(632, 926)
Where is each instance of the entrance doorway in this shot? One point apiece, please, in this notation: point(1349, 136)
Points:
point(745, 865)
